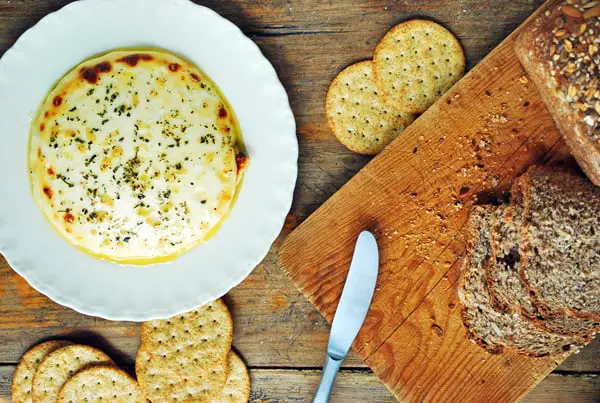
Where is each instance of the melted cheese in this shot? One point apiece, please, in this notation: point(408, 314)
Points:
point(134, 156)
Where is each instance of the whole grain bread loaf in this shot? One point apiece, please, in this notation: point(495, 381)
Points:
point(492, 329)
point(507, 290)
point(560, 52)
point(560, 243)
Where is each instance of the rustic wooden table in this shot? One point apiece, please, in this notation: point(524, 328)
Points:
point(280, 335)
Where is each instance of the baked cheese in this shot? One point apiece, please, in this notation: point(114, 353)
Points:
point(135, 156)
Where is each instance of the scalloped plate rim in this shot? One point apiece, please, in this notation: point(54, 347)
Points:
point(284, 193)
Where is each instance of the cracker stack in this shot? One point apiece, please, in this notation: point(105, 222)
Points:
point(186, 358)
point(60, 371)
point(371, 102)
point(22, 382)
point(531, 279)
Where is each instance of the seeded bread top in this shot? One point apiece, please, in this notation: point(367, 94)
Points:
point(569, 38)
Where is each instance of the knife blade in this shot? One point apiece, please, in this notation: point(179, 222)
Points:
point(352, 309)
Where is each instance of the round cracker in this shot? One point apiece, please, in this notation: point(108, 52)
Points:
point(177, 378)
point(184, 358)
point(60, 365)
point(415, 63)
point(101, 383)
point(357, 113)
point(23, 377)
point(206, 332)
point(237, 387)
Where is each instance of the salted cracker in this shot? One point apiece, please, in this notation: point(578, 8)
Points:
point(206, 332)
point(178, 377)
point(415, 63)
point(237, 387)
point(100, 384)
point(60, 365)
point(357, 114)
point(184, 358)
point(23, 377)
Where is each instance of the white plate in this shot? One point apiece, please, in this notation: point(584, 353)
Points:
point(51, 265)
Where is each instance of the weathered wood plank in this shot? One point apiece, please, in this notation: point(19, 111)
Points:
point(274, 324)
point(270, 386)
point(566, 388)
point(277, 385)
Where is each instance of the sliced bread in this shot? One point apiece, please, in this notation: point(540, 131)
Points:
point(507, 290)
point(493, 330)
point(560, 243)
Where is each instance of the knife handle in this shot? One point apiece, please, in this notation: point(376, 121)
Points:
point(332, 366)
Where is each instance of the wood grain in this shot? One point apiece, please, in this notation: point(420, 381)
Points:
point(309, 42)
point(416, 196)
point(295, 386)
point(274, 325)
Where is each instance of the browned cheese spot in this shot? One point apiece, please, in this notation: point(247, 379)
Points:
point(195, 77)
point(70, 218)
point(222, 112)
point(103, 67)
point(91, 74)
point(48, 192)
point(174, 67)
point(133, 59)
point(241, 161)
point(57, 100)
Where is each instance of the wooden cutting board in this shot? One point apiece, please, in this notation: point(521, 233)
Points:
point(416, 196)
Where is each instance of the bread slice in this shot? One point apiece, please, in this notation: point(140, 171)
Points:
point(493, 330)
point(559, 50)
point(560, 243)
point(507, 290)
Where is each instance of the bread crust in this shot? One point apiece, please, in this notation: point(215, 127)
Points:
point(533, 48)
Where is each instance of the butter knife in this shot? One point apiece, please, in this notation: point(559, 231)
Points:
point(351, 311)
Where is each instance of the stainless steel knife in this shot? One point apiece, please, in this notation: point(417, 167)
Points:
point(352, 309)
